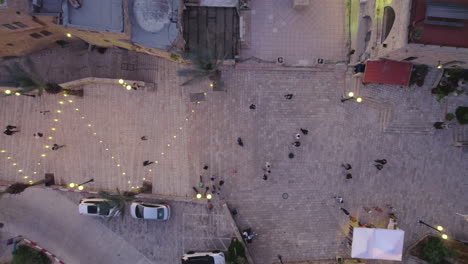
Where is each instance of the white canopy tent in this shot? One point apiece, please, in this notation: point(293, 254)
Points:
point(375, 243)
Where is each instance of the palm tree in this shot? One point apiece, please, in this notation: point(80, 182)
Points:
point(205, 64)
point(117, 202)
point(18, 187)
point(24, 76)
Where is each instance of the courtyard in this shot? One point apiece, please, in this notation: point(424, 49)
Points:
point(293, 211)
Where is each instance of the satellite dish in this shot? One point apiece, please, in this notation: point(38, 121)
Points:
point(152, 15)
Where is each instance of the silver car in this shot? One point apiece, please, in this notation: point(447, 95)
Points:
point(143, 210)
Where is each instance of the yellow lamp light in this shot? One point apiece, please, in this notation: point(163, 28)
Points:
point(8, 91)
point(17, 94)
point(199, 196)
point(80, 187)
point(43, 155)
point(121, 81)
point(56, 120)
point(350, 94)
point(70, 101)
point(444, 236)
point(61, 102)
point(69, 35)
point(128, 87)
point(359, 99)
point(53, 128)
point(209, 196)
point(440, 228)
point(59, 111)
point(20, 170)
point(2, 151)
point(71, 185)
point(14, 164)
point(25, 177)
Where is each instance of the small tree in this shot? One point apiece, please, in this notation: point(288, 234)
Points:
point(462, 115)
point(236, 252)
point(24, 76)
point(434, 251)
point(205, 64)
point(27, 255)
point(116, 202)
point(19, 187)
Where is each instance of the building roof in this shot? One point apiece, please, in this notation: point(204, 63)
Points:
point(388, 72)
point(100, 15)
point(443, 23)
point(154, 23)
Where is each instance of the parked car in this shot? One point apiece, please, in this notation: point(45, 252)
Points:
point(91, 206)
point(214, 257)
point(143, 210)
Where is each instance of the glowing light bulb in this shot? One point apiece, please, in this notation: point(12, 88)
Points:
point(17, 94)
point(69, 35)
point(35, 172)
point(129, 87)
point(50, 138)
point(174, 136)
point(150, 170)
point(14, 164)
point(168, 145)
point(156, 161)
point(118, 165)
point(193, 111)
point(129, 182)
point(77, 109)
point(144, 178)
point(31, 182)
point(199, 196)
point(71, 185)
point(2, 151)
point(100, 141)
point(112, 157)
point(56, 120)
point(123, 173)
point(59, 111)
point(61, 102)
point(204, 93)
point(180, 128)
point(25, 177)
point(350, 94)
point(359, 100)
point(82, 117)
point(8, 91)
point(46, 146)
point(43, 155)
point(70, 101)
point(53, 128)
point(107, 149)
point(162, 153)
point(80, 187)
point(209, 196)
point(121, 81)
point(65, 95)
point(39, 163)
point(89, 125)
point(444, 236)
point(8, 157)
point(20, 170)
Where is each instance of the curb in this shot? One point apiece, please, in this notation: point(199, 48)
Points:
point(238, 233)
point(48, 253)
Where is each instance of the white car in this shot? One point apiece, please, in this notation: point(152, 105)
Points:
point(214, 257)
point(90, 206)
point(143, 210)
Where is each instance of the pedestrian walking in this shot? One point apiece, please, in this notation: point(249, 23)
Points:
point(381, 161)
point(379, 166)
point(221, 182)
point(339, 199)
point(252, 106)
point(38, 135)
point(344, 211)
point(304, 131)
point(144, 138)
point(147, 162)
point(291, 155)
point(265, 177)
point(56, 146)
point(240, 142)
point(44, 112)
point(288, 96)
point(346, 166)
point(205, 167)
point(213, 178)
point(297, 136)
point(296, 143)
point(349, 176)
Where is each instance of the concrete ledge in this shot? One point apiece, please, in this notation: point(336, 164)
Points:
point(90, 80)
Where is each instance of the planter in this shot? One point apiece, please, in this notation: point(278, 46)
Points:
point(437, 249)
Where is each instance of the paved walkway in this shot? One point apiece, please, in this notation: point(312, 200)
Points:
point(425, 176)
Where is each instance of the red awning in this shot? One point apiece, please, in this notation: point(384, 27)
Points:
point(388, 72)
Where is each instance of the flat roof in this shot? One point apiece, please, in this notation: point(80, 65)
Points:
point(388, 72)
point(154, 23)
point(100, 15)
point(453, 34)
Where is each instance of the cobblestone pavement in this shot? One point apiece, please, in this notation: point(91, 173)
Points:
point(425, 176)
point(299, 36)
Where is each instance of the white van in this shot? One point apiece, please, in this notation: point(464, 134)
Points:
point(214, 257)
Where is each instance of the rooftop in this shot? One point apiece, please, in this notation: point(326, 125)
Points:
point(443, 23)
point(154, 23)
point(102, 15)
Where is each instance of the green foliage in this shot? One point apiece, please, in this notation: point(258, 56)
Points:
point(434, 251)
point(449, 84)
point(118, 202)
point(418, 74)
point(449, 116)
point(205, 64)
point(174, 57)
point(26, 255)
point(462, 115)
point(416, 34)
point(236, 253)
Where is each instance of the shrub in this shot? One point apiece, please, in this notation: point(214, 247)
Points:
point(449, 116)
point(434, 251)
point(236, 252)
point(462, 115)
point(26, 255)
point(174, 57)
point(418, 74)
